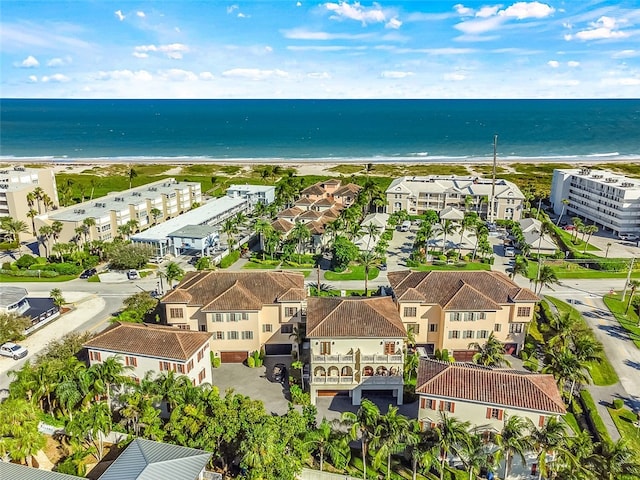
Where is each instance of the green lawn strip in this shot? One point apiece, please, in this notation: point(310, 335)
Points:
point(624, 419)
point(595, 420)
point(251, 265)
point(565, 270)
point(601, 372)
point(569, 240)
point(459, 266)
point(230, 259)
point(60, 278)
point(629, 321)
point(353, 272)
point(570, 420)
point(94, 279)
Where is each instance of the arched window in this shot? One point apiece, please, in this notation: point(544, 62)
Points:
point(346, 371)
point(367, 371)
point(382, 371)
point(333, 371)
point(319, 372)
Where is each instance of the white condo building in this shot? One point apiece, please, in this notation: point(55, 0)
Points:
point(601, 197)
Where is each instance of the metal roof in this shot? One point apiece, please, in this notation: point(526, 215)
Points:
point(11, 295)
point(148, 460)
point(14, 471)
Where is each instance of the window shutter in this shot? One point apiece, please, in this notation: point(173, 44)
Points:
point(423, 403)
point(453, 407)
point(488, 413)
point(160, 364)
point(541, 421)
point(441, 406)
point(500, 414)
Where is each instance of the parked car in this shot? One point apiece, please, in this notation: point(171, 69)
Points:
point(13, 350)
point(133, 275)
point(383, 267)
point(629, 237)
point(88, 273)
point(279, 372)
point(406, 225)
point(569, 228)
point(509, 252)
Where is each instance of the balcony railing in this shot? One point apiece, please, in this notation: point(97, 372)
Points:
point(333, 380)
point(381, 358)
point(332, 359)
point(383, 379)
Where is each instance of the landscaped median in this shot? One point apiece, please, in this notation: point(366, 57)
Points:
point(629, 321)
point(627, 423)
point(353, 272)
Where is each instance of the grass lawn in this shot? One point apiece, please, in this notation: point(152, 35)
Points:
point(458, 266)
point(354, 272)
point(578, 245)
point(59, 278)
point(602, 373)
point(94, 279)
point(259, 265)
point(565, 270)
point(624, 418)
point(629, 321)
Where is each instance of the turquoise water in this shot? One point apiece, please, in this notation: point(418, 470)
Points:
point(331, 130)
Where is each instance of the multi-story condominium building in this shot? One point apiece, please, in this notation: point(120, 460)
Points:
point(152, 348)
point(600, 197)
point(451, 309)
point(148, 205)
point(265, 194)
point(483, 396)
point(356, 345)
point(23, 189)
point(245, 311)
point(416, 195)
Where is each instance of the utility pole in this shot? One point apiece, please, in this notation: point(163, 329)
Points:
point(626, 284)
point(493, 178)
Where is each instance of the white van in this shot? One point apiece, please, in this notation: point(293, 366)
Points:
point(406, 225)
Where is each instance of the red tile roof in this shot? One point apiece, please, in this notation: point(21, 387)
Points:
point(478, 384)
point(456, 290)
point(349, 188)
point(375, 317)
point(149, 340)
point(282, 225)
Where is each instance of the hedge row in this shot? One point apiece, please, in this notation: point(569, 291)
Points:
point(29, 273)
point(595, 421)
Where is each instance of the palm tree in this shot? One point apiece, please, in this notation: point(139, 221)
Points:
point(368, 260)
point(565, 202)
point(331, 442)
point(589, 230)
point(513, 440)
point(39, 194)
point(44, 233)
point(301, 234)
point(15, 228)
point(469, 219)
point(87, 223)
point(634, 284)
point(423, 449)
point(32, 215)
point(56, 229)
point(445, 228)
point(91, 427)
point(155, 214)
point(565, 367)
point(362, 426)
point(110, 372)
point(229, 228)
point(520, 267)
point(391, 435)
point(474, 454)
point(263, 228)
point(132, 174)
point(578, 224)
point(424, 235)
point(545, 439)
point(491, 354)
point(451, 433)
point(172, 271)
point(617, 460)
point(546, 278)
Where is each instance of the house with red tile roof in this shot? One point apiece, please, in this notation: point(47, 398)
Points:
point(154, 348)
point(242, 311)
point(452, 309)
point(356, 346)
point(484, 396)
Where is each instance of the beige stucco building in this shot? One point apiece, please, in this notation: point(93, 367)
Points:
point(23, 189)
point(483, 396)
point(416, 195)
point(244, 311)
point(356, 345)
point(157, 349)
point(451, 309)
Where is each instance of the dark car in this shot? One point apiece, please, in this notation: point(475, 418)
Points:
point(279, 372)
point(383, 267)
point(88, 273)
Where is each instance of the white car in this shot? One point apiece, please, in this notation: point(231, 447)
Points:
point(629, 237)
point(13, 350)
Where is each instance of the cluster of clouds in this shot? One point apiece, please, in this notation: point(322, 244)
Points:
point(365, 15)
point(603, 28)
point(31, 62)
point(174, 51)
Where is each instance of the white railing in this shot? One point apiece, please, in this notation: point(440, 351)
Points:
point(332, 359)
point(333, 380)
point(381, 359)
point(383, 380)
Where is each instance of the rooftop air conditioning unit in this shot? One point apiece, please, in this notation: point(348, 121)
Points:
point(4, 185)
point(597, 176)
point(153, 189)
point(611, 180)
point(626, 184)
point(19, 169)
point(4, 172)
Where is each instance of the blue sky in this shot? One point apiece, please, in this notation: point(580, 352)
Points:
point(302, 49)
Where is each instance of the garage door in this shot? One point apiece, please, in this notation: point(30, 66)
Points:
point(233, 357)
point(332, 393)
point(277, 348)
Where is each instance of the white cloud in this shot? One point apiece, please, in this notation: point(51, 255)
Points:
point(302, 34)
point(573, 64)
point(394, 23)
point(118, 13)
point(604, 28)
point(455, 76)
point(626, 53)
point(553, 63)
point(319, 75)
point(396, 74)
point(206, 76)
point(140, 55)
point(298, 4)
point(522, 10)
point(475, 27)
point(57, 78)
point(59, 62)
point(173, 50)
point(140, 14)
point(559, 82)
point(254, 73)
point(29, 62)
point(462, 10)
point(139, 75)
point(621, 82)
point(33, 79)
point(178, 75)
point(356, 12)
point(268, 49)
point(485, 12)
point(322, 48)
point(242, 15)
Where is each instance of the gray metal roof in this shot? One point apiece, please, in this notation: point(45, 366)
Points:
point(148, 460)
point(14, 471)
point(193, 231)
point(11, 295)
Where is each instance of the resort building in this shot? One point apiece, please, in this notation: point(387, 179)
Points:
point(197, 230)
point(356, 345)
point(152, 348)
point(23, 189)
point(147, 205)
point(254, 194)
point(416, 195)
point(451, 309)
point(484, 396)
point(607, 199)
point(244, 311)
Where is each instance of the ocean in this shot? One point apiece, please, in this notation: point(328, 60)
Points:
point(319, 130)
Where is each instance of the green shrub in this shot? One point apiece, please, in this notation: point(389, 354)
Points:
point(61, 268)
point(618, 403)
point(230, 259)
point(298, 397)
point(251, 362)
point(25, 261)
point(257, 358)
point(6, 265)
point(595, 421)
point(445, 355)
point(217, 362)
point(30, 273)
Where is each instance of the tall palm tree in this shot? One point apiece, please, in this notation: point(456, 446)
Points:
point(368, 260)
point(390, 437)
point(373, 231)
point(333, 443)
point(578, 224)
point(565, 367)
point(424, 236)
point(451, 434)
point(565, 202)
point(544, 440)
point(445, 228)
point(520, 267)
point(491, 354)
point(362, 426)
point(469, 219)
point(32, 215)
point(546, 278)
point(132, 174)
point(617, 460)
point(39, 194)
point(15, 228)
point(88, 223)
point(44, 234)
point(263, 228)
point(172, 271)
point(301, 234)
point(110, 372)
point(56, 229)
point(422, 449)
point(589, 230)
point(474, 454)
point(229, 228)
point(633, 284)
point(513, 440)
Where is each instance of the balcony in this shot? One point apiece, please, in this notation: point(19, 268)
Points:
point(333, 380)
point(383, 380)
point(332, 359)
point(381, 358)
